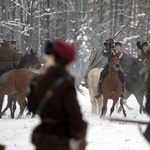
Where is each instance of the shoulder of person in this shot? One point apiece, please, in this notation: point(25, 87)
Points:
point(70, 78)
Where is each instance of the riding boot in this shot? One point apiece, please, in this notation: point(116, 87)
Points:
point(99, 92)
point(123, 90)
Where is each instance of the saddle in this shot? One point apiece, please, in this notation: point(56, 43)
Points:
point(4, 77)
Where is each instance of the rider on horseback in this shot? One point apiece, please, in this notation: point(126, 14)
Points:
point(8, 57)
point(116, 48)
point(143, 47)
point(144, 56)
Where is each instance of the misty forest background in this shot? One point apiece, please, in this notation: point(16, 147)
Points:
point(86, 22)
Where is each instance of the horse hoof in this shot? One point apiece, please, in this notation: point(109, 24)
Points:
point(19, 116)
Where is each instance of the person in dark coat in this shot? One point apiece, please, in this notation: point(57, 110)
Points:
point(8, 57)
point(108, 53)
point(97, 60)
point(145, 57)
point(142, 46)
point(61, 117)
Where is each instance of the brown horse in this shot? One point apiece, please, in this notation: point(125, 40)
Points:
point(17, 83)
point(112, 87)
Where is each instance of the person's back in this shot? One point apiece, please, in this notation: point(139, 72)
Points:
point(8, 57)
point(61, 118)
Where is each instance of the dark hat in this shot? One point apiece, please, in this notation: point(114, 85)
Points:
point(145, 43)
point(141, 45)
point(13, 42)
point(118, 44)
point(63, 50)
point(109, 42)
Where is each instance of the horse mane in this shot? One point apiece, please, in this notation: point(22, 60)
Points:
point(28, 60)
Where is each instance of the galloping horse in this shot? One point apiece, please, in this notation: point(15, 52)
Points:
point(131, 71)
point(17, 82)
point(112, 86)
point(131, 67)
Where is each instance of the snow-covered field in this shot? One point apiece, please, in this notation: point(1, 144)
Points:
point(102, 134)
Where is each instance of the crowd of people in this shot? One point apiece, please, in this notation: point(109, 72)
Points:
point(53, 96)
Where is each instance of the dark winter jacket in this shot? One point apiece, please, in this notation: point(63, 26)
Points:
point(61, 115)
point(8, 58)
point(108, 53)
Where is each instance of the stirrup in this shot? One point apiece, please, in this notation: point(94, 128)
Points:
point(98, 95)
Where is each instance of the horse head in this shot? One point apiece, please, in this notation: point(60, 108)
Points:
point(30, 61)
point(126, 63)
point(34, 60)
point(114, 64)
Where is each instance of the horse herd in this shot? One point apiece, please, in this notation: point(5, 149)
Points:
point(134, 84)
point(15, 82)
point(18, 80)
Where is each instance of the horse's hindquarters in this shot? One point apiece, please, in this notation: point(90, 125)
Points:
point(93, 80)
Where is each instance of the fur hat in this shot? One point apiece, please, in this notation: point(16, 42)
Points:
point(63, 50)
point(141, 45)
point(109, 42)
point(145, 43)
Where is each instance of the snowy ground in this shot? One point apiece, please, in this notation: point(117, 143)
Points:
point(102, 134)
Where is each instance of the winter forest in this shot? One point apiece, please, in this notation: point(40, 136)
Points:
point(86, 22)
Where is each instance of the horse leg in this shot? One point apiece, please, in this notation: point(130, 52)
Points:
point(93, 111)
point(13, 98)
point(11, 102)
point(115, 100)
point(1, 104)
point(121, 103)
point(100, 104)
point(127, 95)
point(9, 105)
point(93, 104)
point(22, 103)
point(104, 108)
point(139, 97)
point(13, 109)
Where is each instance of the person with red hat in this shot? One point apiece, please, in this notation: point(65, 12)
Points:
point(54, 99)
